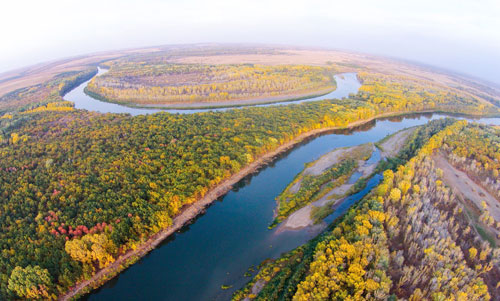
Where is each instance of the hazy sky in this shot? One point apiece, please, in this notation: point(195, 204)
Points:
point(455, 34)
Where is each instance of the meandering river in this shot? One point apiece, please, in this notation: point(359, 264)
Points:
point(347, 83)
point(232, 235)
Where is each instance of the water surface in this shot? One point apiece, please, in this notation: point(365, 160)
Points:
point(233, 234)
point(347, 83)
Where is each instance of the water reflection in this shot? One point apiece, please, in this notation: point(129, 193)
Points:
point(232, 234)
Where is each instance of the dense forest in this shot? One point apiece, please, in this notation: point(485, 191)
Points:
point(71, 176)
point(143, 83)
point(397, 92)
point(410, 238)
point(79, 189)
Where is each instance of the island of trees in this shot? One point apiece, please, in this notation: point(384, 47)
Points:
point(413, 237)
point(82, 189)
point(154, 83)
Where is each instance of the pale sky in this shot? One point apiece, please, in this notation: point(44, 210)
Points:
point(459, 35)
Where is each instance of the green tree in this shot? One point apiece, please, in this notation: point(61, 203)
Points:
point(30, 282)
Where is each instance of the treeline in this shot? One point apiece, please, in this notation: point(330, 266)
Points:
point(413, 143)
point(400, 93)
point(29, 98)
point(61, 106)
point(477, 151)
point(76, 182)
point(144, 83)
point(430, 234)
point(410, 238)
point(310, 186)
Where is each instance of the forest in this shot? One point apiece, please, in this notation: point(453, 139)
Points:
point(395, 93)
point(52, 91)
point(410, 238)
point(79, 189)
point(143, 83)
point(477, 150)
point(111, 181)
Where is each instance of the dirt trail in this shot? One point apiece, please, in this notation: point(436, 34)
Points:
point(461, 183)
point(191, 211)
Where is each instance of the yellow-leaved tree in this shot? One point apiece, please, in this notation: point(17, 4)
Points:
point(92, 248)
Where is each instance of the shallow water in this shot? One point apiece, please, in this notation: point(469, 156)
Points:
point(232, 235)
point(220, 245)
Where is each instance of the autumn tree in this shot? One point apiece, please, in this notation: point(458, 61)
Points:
point(31, 282)
point(92, 248)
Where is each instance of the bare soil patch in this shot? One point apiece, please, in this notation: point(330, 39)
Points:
point(256, 288)
point(392, 146)
point(302, 217)
point(461, 184)
point(40, 73)
point(326, 161)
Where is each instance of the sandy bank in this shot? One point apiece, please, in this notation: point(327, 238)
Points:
point(302, 217)
point(190, 212)
point(391, 146)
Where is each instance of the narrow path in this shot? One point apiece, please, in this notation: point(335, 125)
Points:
point(470, 190)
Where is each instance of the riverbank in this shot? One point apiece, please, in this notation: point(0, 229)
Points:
point(303, 217)
point(389, 147)
point(193, 210)
point(235, 103)
point(344, 83)
point(284, 96)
